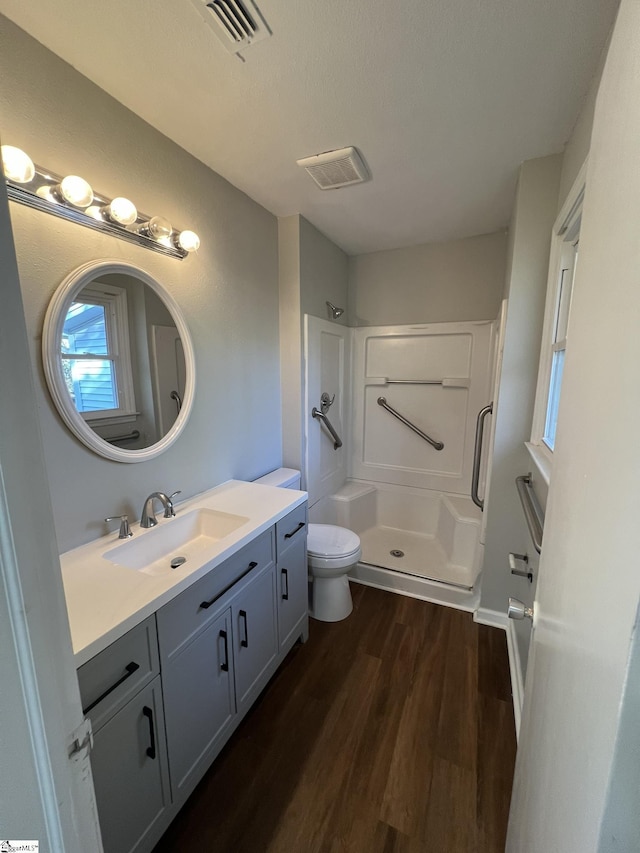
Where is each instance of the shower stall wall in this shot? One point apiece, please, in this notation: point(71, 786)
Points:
point(402, 479)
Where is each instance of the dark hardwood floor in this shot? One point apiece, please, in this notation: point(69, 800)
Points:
point(389, 732)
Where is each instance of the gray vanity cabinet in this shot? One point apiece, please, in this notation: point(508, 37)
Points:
point(292, 576)
point(199, 703)
point(121, 694)
point(218, 648)
point(130, 774)
point(255, 637)
point(213, 647)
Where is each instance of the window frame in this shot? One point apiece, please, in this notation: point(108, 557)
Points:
point(114, 301)
point(565, 234)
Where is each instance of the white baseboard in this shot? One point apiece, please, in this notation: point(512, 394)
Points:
point(496, 619)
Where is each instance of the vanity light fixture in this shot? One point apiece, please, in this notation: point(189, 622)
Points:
point(18, 166)
point(157, 227)
point(75, 191)
point(120, 210)
point(188, 240)
point(72, 198)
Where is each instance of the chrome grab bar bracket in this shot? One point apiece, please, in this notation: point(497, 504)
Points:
point(514, 559)
point(477, 455)
point(438, 445)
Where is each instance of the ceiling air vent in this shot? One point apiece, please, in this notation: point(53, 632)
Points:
point(335, 169)
point(237, 23)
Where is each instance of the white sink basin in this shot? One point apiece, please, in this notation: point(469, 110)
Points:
point(187, 536)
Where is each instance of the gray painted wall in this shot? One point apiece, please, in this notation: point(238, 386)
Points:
point(431, 283)
point(324, 273)
point(312, 271)
point(228, 291)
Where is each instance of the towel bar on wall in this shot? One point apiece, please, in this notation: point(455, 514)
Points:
point(438, 445)
point(532, 512)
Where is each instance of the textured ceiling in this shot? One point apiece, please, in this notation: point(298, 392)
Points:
point(444, 99)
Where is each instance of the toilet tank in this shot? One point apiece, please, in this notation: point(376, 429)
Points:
point(285, 478)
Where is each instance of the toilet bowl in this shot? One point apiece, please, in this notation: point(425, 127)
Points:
point(331, 551)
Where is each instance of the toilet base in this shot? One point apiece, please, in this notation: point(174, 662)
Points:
point(330, 598)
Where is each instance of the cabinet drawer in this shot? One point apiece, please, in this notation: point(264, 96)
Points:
point(112, 677)
point(185, 616)
point(291, 528)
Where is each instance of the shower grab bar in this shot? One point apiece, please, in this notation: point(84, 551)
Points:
point(130, 436)
point(477, 454)
point(447, 382)
point(532, 511)
point(316, 413)
point(438, 445)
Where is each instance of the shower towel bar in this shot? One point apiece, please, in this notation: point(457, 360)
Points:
point(438, 445)
point(130, 436)
point(321, 416)
point(532, 511)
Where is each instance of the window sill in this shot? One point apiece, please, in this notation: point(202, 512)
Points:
point(541, 460)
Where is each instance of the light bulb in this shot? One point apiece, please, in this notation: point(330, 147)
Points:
point(122, 211)
point(76, 191)
point(159, 228)
point(189, 241)
point(17, 165)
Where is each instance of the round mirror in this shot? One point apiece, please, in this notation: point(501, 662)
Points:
point(118, 360)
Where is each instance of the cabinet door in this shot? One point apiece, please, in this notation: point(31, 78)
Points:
point(255, 636)
point(199, 704)
point(293, 591)
point(130, 777)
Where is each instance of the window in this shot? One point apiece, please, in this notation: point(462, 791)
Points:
point(562, 270)
point(559, 340)
point(95, 353)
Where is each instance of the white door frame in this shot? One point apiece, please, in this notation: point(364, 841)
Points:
point(44, 794)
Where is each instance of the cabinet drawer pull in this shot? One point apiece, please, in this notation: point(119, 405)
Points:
point(285, 585)
point(225, 665)
point(245, 642)
point(130, 668)
point(293, 532)
point(207, 604)
point(151, 750)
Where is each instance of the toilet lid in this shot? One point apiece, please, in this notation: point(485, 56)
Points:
point(328, 540)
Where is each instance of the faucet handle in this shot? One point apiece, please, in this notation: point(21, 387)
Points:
point(125, 530)
point(169, 511)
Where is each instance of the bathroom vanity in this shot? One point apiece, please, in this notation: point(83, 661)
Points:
point(166, 677)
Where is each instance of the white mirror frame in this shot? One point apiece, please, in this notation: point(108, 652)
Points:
point(51, 337)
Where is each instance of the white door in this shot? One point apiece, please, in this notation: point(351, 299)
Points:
point(44, 795)
point(169, 375)
point(589, 581)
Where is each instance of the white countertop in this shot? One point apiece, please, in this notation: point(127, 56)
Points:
point(105, 600)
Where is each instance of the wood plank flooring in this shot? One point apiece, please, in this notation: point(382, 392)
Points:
point(389, 732)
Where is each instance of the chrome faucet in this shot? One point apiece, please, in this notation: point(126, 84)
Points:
point(148, 518)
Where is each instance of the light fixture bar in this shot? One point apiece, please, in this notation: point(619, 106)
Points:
point(42, 193)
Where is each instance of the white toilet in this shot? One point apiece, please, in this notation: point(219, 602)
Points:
point(331, 552)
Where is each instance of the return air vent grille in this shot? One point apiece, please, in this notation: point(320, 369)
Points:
point(335, 169)
point(237, 23)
